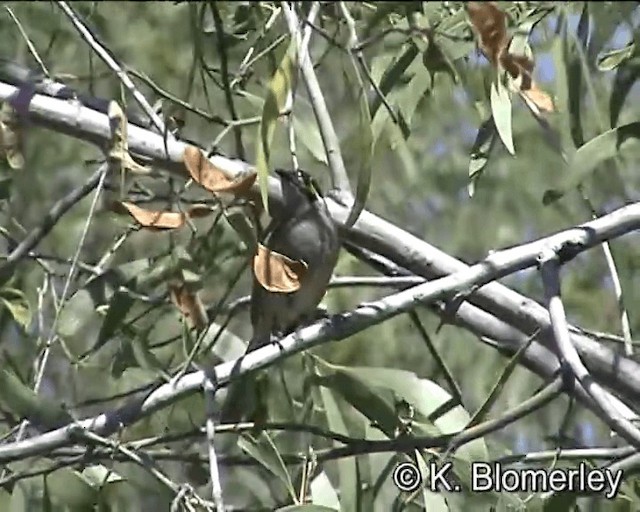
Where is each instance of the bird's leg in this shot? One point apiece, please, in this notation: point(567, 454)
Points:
point(320, 313)
point(276, 336)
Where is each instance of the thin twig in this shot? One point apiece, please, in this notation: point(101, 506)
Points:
point(49, 342)
point(339, 177)
point(500, 306)
point(44, 358)
point(224, 64)
point(57, 211)
point(30, 45)
point(210, 426)
point(495, 266)
point(174, 99)
point(111, 62)
point(355, 52)
point(609, 413)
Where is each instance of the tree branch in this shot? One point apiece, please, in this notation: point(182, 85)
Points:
point(340, 327)
point(339, 177)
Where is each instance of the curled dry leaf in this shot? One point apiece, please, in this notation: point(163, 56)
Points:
point(11, 139)
point(276, 272)
point(539, 98)
point(119, 145)
point(489, 23)
point(212, 178)
point(157, 220)
point(189, 305)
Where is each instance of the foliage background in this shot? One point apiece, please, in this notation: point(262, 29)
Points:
point(420, 184)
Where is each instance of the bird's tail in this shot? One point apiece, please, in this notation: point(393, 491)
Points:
point(240, 397)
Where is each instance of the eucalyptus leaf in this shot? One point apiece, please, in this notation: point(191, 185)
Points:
point(480, 152)
point(626, 76)
point(501, 111)
point(263, 450)
point(279, 91)
point(17, 304)
point(613, 58)
point(586, 160)
point(347, 467)
point(365, 151)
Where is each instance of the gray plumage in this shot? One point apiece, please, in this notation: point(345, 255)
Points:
point(302, 230)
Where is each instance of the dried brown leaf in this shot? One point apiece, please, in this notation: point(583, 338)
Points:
point(189, 304)
point(520, 68)
point(212, 178)
point(118, 153)
point(490, 25)
point(11, 138)
point(540, 98)
point(276, 272)
point(156, 220)
point(149, 218)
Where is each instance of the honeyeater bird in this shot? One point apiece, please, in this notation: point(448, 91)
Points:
point(301, 230)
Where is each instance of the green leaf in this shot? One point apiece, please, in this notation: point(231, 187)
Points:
point(46, 499)
point(119, 306)
point(5, 188)
point(497, 388)
point(382, 389)
point(265, 452)
point(5, 500)
point(625, 77)
point(501, 111)
point(322, 492)
point(375, 402)
point(347, 467)
point(280, 87)
point(573, 61)
point(393, 74)
point(436, 60)
point(480, 152)
point(17, 304)
point(613, 58)
point(378, 393)
point(365, 150)
point(20, 498)
point(20, 400)
point(307, 131)
point(561, 502)
point(593, 153)
point(238, 220)
point(68, 486)
point(98, 476)
point(433, 501)
point(562, 92)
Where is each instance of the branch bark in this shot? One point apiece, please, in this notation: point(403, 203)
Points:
point(492, 309)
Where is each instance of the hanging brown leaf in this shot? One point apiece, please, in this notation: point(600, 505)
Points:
point(520, 68)
point(11, 139)
point(490, 24)
point(189, 304)
point(212, 178)
point(539, 98)
point(276, 272)
point(157, 220)
point(118, 153)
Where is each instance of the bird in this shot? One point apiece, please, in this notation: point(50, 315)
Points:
point(302, 229)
